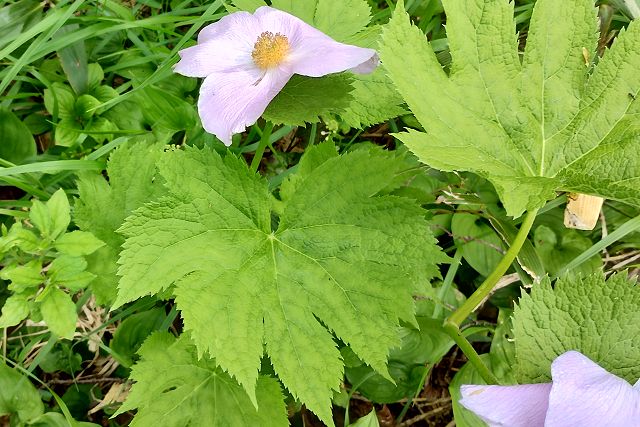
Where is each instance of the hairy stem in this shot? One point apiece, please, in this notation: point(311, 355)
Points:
point(453, 322)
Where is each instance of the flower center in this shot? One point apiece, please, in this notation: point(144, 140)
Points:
point(270, 50)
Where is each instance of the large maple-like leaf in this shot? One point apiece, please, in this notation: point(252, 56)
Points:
point(103, 205)
point(553, 121)
point(331, 258)
point(175, 388)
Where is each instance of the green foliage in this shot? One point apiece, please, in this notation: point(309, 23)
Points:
point(248, 5)
point(20, 399)
point(330, 258)
point(205, 393)
point(420, 347)
point(45, 266)
point(73, 59)
point(59, 312)
point(18, 396)
point(103, 206)
point(405, 379)
point(375, 100)
point(304, 99)
point(260, 311)
point(596, 317)
point(557, 248)
point(17, 17)
point(80, 110)
point(165, 112)
point(52, 218)
point(77, 243)
point(305, 9)
point(369, 420)
point(480, 245)
point(17, 142)
point(341, 20)
point(132, 332)
point(61, 358)
point(547, 123)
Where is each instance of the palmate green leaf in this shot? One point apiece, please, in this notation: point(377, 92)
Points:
point(342, 19)
point(247, 5)
point(103, 206)
point(198, 392)
point(331, 259)
point(303, 9)
point(596, 317)
point(375, 100)
point(305, 99)
point(549, 123)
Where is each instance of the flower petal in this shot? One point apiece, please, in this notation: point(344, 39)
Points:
point(313, 53)
point(508, 406)
point(229, 102)
point(584, 394)
point(238, 25)
point(368, 66)
point(222, 46)
point(214, 56)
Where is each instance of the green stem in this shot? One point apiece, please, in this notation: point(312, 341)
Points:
point(312, 133)
point(264, 141)
point(44, 351)
point(446, 283)
point(471, 353)
point(168, 321)
point(453, 322)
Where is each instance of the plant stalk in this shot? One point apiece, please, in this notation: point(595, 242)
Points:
point(264, 141)
point(453, 322)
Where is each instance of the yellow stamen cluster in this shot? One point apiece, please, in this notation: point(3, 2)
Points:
point(270, 50)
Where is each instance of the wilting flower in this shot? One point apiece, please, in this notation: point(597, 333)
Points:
point(247, 59)
point(581, 394)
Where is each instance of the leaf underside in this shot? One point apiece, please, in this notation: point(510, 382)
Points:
point(553, 121)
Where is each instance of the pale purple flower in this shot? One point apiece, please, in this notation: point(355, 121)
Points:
point(581, 394)
point(247, 59)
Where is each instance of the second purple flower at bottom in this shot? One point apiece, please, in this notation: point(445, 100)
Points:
point(581, 394)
